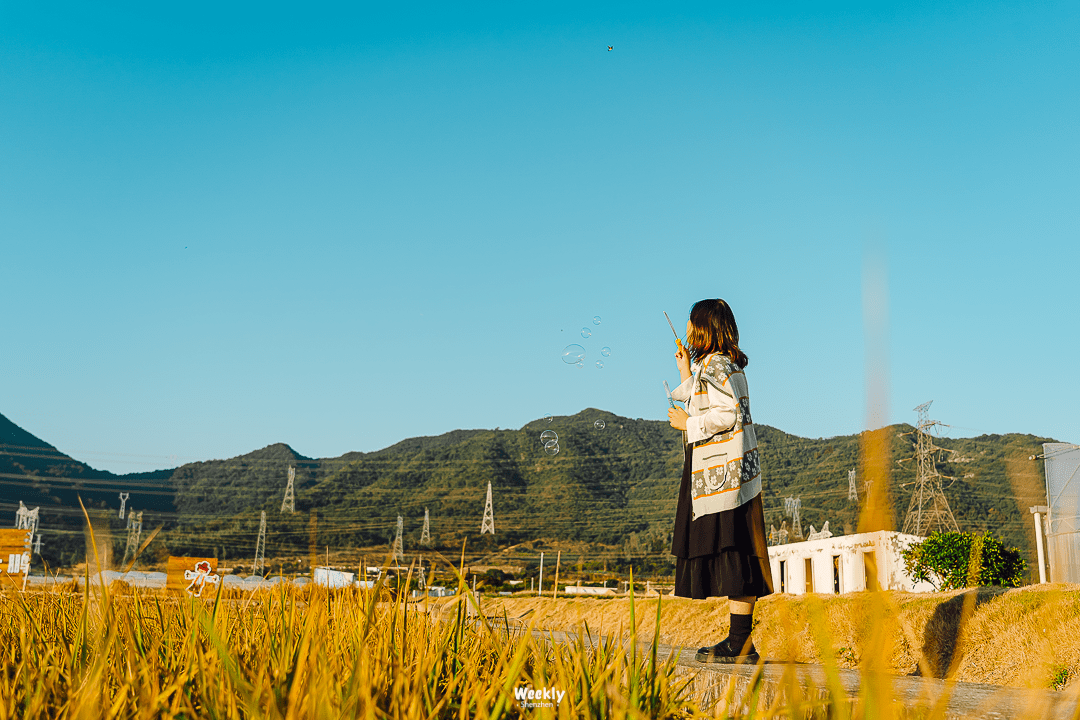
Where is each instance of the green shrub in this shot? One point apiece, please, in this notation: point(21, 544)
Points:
point(955, 560)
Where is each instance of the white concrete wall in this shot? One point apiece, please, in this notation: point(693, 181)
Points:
point(851, 550)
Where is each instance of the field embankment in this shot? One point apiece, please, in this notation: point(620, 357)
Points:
point(1025, 637)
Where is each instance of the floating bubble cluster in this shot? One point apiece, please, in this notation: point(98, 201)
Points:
point(599, 424)
point(573, 354)
point(550, 440)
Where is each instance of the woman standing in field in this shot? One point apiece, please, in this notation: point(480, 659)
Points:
point(719, 538)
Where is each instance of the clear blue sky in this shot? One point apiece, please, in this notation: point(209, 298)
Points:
point(341, 226)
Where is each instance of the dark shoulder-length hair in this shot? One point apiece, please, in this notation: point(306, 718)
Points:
point(713, 329)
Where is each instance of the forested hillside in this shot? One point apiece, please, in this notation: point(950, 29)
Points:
point(610, 486)
point(39, 475)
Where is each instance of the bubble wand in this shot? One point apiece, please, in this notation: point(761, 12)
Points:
point(677, 340)
point(671, 402)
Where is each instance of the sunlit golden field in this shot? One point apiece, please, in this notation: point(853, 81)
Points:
point(311, 653)
point(1025, 637)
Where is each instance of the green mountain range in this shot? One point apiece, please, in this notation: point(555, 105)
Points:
point(611, 490)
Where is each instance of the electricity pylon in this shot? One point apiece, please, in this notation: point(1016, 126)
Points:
point(792, 505)
point(929, 510)
point(852, 491)
point(425, 534)
point(260, 548)
point(488, 525)
point(26, 519)
point(399, 550)
point(134, 532)
point(778, 537)
point(123, 503)
point(289, 503)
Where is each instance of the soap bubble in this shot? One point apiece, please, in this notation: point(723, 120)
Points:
point(552, 448)
point(599, 364)
point(605, 351)
point(548, 436)
point(580, 363)
point(596, 320)
point(573, 354)
point(600, 424)
point(586, 332)
point(549, 418)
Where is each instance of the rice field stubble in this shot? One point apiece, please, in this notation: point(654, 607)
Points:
point(313, 653)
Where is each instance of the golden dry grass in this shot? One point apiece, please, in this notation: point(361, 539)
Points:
point(289, 653)
point(312, 653)
point(1024, 637)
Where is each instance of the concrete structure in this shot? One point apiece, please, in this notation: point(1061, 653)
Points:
point(1040, 512)
point(1062, 463)
point(845, 563)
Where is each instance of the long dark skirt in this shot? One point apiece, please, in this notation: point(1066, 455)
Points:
point(723, 554)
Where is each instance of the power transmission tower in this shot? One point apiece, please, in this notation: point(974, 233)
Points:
point(26, 519)
point(134, 532)
point(852, 491)
point(792, 505)
point(488, 525)
point(399, 550)
point(778, 537)
point(260, 548)
point(289, 503)
point(37, 545)
point(425, 534)
point(123, 503)
point(929, 510)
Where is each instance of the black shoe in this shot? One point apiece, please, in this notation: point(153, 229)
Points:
point(722, 652)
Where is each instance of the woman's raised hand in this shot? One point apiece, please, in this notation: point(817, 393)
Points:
point(682, 360)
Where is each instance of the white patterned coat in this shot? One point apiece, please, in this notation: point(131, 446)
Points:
point(725, 471)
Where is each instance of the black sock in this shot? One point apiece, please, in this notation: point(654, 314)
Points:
point(739, 636)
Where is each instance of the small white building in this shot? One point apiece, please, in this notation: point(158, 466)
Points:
point(844, 563)
point(326, 577)
point(585, 590)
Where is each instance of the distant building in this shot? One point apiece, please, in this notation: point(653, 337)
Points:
point(580, 590)
point(843, 564)
point(332, 578)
